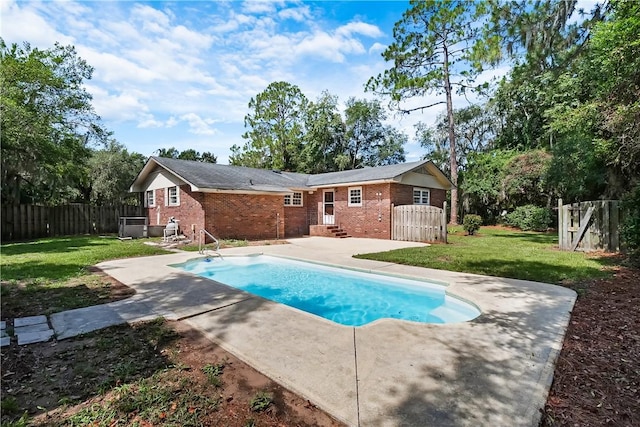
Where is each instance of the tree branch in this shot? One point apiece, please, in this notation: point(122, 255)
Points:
point(420, 108)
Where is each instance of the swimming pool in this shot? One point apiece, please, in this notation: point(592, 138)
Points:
point(348, 297)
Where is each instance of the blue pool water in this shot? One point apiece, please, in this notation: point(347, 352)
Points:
point(343, 296)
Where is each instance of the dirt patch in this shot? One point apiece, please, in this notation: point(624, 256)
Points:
point(597, 377)
point(149, 373)
point(46, 297)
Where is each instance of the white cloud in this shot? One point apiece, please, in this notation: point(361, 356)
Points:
point(198, 125)
point(26, 22)
point(359, 28)
point(377, 48)
point(117, 106)
point(299, 14)
point(257, 7)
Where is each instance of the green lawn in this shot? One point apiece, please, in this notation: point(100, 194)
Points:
point(504, 253)
point(50, 275)
point(65, 257)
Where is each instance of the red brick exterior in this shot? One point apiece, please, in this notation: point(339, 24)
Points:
point(188, 213)
point(259, 216)
point(244, 216)
point(296, 219)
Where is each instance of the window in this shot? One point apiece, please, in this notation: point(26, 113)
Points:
point(150, 198)
point(173, 196)
point(421, 196)
point(294, 199)
point(355, 196)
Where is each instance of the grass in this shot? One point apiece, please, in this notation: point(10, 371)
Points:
point(50, 275)
point(65, 257)
point(224, 243)
point(261, 401)
point(504, 253)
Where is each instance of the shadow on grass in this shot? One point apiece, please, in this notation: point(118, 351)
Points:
point(80, 368)
point(42, 271)
point(53, 245)
point(537, 271)
point(541, 238)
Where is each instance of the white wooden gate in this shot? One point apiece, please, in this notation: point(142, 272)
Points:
point(418, 223)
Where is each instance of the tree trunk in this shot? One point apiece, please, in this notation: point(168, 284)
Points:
point(453, 162)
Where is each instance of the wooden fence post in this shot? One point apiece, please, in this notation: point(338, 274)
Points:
point(443, 222)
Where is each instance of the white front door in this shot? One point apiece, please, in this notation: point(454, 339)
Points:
point(328, 215)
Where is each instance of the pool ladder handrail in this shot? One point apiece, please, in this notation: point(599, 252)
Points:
point(202, 247)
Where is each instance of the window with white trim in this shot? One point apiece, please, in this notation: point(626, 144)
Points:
point(355, 196)
point(173, 196)
point(421, 196)
point(294, 199)
point(150, 198)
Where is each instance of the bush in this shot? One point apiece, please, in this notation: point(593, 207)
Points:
point(529, 217)
point(471, 223)
point(630, 230)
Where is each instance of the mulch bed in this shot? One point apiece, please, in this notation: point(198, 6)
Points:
point(597, 377)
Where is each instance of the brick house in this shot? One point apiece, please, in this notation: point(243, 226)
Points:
point(247, 203)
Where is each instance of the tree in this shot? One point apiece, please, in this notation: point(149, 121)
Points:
point(482, 183)
point(170, 153)
point(432, 54)
point(188, 154)
point(47, 124)
point(474, 132)
point(390, 150)
point(324, 140)
point(551, 39)
point(368, 141)
point(525, 180)
point(276, 129)
point(596, 117)
point(112, 170)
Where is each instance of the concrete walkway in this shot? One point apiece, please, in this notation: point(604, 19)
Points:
point(495, 370)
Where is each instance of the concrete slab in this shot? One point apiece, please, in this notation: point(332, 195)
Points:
point(5, 341)
point(34, 337)
point(494, 370)
point(38, 327)
point(31, 320)
point(80, 321)
point(3, 333)
point(3, 325)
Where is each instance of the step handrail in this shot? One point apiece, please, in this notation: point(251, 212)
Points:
point(202, 245)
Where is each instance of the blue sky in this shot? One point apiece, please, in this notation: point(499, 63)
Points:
point(181, 73)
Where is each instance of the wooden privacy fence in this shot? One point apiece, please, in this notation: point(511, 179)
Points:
point(416, 223)
point(589, 226)
point(32, 221)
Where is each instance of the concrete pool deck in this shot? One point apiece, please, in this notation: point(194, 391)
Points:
point(495, 370)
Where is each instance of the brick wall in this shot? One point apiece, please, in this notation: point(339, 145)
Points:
point(189, 211)
point(403, 195)
point(438, 197)
point(244, 216)
point(296, 222)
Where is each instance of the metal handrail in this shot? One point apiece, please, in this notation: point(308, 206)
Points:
point(202, 246)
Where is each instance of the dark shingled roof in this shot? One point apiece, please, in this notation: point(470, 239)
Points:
point(226, 177)
point(362, 175)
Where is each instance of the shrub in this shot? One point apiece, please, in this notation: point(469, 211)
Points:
point(630, 230)
point(529, 217)
point(471, 223)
